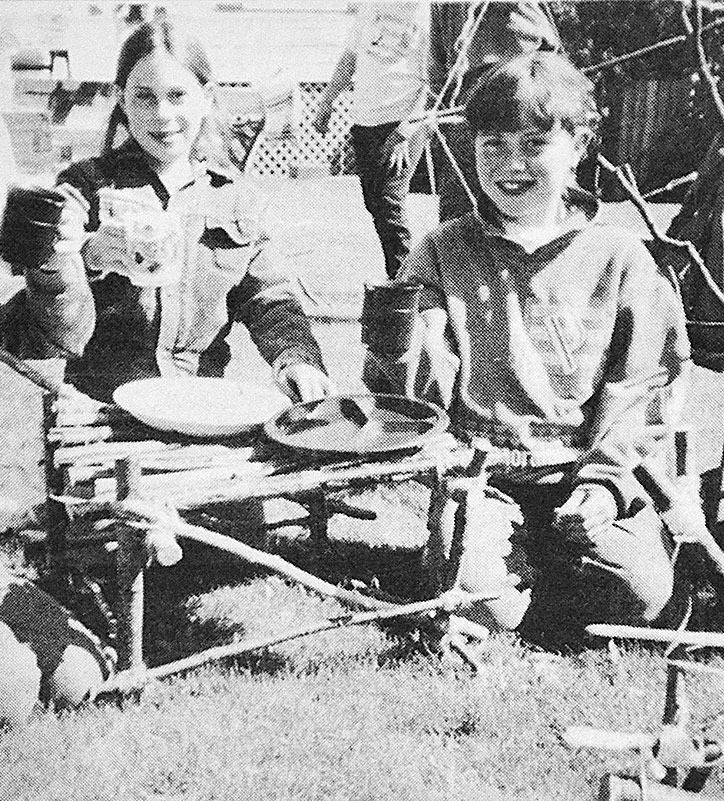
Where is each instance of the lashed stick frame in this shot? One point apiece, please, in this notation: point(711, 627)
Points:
point(133, 556)
point(673, 765)
point(82, 446)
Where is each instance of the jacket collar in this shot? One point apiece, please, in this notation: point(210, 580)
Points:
point(130, 154)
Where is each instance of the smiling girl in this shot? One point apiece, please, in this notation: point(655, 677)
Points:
point(94, 304)
point(555, 336)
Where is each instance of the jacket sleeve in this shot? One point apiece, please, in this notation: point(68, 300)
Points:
point(428, 368)
point(266, 303)
point(54, 316)
point(635, 409)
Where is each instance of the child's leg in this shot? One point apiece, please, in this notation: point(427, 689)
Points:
point(472, 547)
point(69, 659)
point(625, 576)
point(635, 554)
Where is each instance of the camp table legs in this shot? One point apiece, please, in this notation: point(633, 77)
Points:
point(56, 519)
point(131, 558)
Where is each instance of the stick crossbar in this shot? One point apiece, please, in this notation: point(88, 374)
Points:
point(707, 639)
point(292, 484)
point(133, 681)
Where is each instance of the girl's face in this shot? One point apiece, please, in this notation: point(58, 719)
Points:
point(165, 105)
point(526, 173)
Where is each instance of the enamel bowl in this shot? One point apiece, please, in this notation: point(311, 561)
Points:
point(202, 407)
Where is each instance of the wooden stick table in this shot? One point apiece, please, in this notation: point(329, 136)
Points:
point(101, 462)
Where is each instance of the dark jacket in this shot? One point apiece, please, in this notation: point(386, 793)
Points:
point(113, 331)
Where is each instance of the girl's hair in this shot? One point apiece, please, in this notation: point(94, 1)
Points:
point(161, 36)
point(541, 89)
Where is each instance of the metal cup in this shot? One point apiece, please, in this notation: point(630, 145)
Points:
point(388, 317)
point(29, 229)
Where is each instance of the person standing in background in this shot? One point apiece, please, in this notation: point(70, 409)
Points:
point(8, 168)
point(385, 59)
point(505, 31)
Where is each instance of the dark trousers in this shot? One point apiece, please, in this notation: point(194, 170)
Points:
point(624, 576)
point(454, 201)
point(384, 189)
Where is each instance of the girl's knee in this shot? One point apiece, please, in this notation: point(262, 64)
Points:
point(73, 679)
point(651, 592)
point(634, 555)
point(19, 679)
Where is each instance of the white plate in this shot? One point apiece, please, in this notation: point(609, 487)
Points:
point(201, 407)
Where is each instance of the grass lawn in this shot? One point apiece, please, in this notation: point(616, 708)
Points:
point(346, 714)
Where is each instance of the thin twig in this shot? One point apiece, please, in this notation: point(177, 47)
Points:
point(441, 114)
point(688, 27)
point(656, 233)
point(673, 183)
point(456, 167)
point(643, 51)
point(461, 56)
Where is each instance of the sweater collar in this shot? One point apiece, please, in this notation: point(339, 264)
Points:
point(581, 208)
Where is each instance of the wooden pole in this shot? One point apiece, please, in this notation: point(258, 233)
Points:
point(127, 683)
point(130, 565)
point(56, 519)
point(705, 639)
point(305, 481)
point(675, 712)
point(278, 565)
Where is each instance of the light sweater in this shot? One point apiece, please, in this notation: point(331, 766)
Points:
point(390, 42)
point(578, 343)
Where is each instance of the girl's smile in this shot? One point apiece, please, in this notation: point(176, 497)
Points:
point(165, 106)
point(515, 188)
point(525, 173)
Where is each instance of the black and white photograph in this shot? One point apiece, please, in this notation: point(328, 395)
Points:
point(362, 400)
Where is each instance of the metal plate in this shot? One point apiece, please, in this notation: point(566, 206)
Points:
point(357, 424)
point(201, 407)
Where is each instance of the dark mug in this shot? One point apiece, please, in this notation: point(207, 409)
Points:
point(388, 317)
point(29, 229)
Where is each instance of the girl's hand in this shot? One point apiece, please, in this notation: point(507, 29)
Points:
point(589, 507)
point(396, 151)
point(74, 216)
point(304, 382)
point(321, 119)
point(107, 250)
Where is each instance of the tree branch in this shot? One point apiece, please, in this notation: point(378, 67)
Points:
point(640, 204)
point(644, 51)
